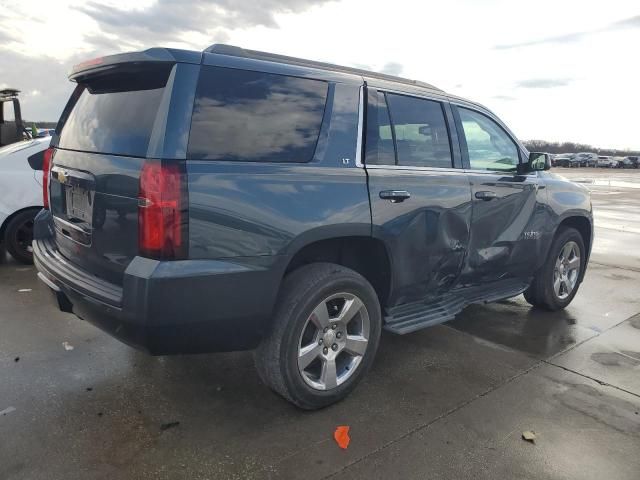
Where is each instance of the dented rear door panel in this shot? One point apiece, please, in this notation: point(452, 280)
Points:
point(427, 234)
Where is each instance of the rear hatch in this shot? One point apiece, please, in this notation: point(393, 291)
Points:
point(104, 138)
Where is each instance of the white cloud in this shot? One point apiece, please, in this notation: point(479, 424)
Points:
point(452, 45)
point(580, 56)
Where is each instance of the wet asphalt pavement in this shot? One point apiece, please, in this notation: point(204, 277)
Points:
point(448, 402)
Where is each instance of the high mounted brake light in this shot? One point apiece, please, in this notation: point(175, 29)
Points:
point(162, 211)
point(89, 63)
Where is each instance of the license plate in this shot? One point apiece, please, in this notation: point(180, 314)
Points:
point(79, 204)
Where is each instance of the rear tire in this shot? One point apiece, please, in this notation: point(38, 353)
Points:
point(19, 235)
point(558, 280)
point(303, 358)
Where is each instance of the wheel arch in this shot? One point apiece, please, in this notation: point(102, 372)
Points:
point(358, 251)
point(7, 220)
point(584, 226)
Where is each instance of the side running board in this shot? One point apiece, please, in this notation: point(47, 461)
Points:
point(409, 317)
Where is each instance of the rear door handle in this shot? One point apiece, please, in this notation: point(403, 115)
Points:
point(395, 196)
point(486, 195)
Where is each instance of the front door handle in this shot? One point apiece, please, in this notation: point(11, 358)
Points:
point(486, 195)
point(395, 196)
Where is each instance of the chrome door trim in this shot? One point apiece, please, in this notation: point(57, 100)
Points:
point(360, 126)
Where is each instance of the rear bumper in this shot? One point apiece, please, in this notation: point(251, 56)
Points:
point(188, 306)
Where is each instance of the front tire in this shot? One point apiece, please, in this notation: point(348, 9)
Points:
point(558, 280)
point(324, 336)
point(19, 235)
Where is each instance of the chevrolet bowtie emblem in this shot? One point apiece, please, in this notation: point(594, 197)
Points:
point(62, 177)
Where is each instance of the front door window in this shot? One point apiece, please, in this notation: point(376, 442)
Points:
point(489, 146)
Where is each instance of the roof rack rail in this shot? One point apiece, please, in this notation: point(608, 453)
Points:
point(232, 50)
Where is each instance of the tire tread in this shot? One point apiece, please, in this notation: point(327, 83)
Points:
point(14, 223)
point(299, 284)
point(540, 292)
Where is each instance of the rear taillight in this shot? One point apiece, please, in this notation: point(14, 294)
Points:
point(162, 211)
point(46, 171)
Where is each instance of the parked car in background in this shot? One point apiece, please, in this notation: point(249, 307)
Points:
point(567, 162)
point(631, 162)
point(20, 196)
point(582, 159)
point(592, 162)
point(557, 158)
point(45, 132)
point(617, 162)
point(605, 161)
point(586, 159)
point(294, 207)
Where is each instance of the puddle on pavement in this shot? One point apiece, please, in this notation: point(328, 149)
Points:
point(517, 326)
point(624, 358)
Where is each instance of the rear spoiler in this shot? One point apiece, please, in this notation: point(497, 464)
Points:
point(152, 55)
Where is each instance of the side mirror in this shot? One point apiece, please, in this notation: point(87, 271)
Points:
point(538, 161)
point(36, 160)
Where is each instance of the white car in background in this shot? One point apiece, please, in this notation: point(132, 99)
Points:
point(20, 196)
point(605, 161)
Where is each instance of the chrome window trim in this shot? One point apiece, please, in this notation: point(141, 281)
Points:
point(411, 168)
point(452, 169)
point(435, 98)
point(499, 172)
point(360, 125)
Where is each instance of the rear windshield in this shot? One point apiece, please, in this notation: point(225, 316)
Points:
point(114, 113)
point(251, 116)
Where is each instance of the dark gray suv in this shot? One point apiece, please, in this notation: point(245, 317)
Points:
point(233, 199)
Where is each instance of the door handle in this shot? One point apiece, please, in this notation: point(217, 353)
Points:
point(486, 195)
point(395, 196)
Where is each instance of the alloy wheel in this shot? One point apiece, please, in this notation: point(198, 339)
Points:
point(567, 270)
point(333, 341)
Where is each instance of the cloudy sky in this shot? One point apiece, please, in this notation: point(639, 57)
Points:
point(551, 69)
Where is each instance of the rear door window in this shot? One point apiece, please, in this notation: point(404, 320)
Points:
point(242, 115)
point(115, 113)
point(420, 132)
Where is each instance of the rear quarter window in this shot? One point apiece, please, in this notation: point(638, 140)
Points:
point(242, 115)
